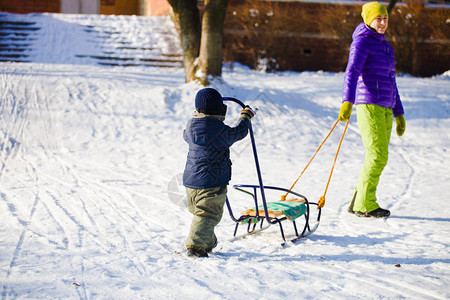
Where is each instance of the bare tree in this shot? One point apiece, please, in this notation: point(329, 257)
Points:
point(201, 39)
point(187, 20)
point(391, 5)
point(210, 61)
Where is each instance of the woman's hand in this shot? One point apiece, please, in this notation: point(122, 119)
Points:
point(401, 125)
point(346, 111)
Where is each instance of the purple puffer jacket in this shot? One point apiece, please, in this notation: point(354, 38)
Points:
point(370, 74)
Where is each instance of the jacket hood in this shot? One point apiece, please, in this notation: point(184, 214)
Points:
point(203, 131)
point(363, 30)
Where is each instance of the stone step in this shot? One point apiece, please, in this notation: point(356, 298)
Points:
point(110, 45)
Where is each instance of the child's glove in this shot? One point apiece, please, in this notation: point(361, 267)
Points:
point(401, 124)
point(346, 111)
point(248, 112)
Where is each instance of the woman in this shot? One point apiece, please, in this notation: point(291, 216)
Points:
point(370, 84)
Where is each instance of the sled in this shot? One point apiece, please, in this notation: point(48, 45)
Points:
point(291, 207)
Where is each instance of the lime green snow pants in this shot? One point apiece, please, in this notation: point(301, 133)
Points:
point(207, 207)
point(375, 125)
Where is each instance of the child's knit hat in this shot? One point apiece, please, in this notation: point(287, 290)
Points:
point(372, 10)
point(209, 101)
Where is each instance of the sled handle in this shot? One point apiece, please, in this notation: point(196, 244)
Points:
point(255, 155)
point(234, 100)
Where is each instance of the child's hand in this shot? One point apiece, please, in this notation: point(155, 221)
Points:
point(248, 112)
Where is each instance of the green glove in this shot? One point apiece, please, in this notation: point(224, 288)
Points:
point(346, 111)
point(401, 124)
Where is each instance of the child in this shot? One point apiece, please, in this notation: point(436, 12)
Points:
point(208, 166)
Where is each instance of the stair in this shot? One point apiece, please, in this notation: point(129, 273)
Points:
point(15, 40)
point(125, 41)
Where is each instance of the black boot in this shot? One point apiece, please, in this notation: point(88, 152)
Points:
point(378, 213)
point(209, 249)
point(193, 252)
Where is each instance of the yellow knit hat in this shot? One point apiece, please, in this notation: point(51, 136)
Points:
point(372, 10)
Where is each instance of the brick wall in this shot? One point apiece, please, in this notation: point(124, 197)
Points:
point(30, 6)
point(119, 7)
point(302, 36)
point(158, 8)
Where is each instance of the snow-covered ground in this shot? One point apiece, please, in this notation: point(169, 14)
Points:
point(92, 207)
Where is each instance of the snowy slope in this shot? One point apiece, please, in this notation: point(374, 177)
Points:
point(91, 204)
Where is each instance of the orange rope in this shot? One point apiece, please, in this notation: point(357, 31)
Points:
point(283, 197)
point(321, 201)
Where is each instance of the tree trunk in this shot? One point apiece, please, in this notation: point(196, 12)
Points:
point(210, 59)
point(187, 20)
point(391, 5)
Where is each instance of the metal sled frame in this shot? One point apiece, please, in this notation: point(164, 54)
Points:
point(259, 217)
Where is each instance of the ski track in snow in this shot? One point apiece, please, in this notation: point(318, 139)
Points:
point(68, 218)
point(91, 201)
point(82, 197)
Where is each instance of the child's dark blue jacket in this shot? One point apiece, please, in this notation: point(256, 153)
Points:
point(208, 162)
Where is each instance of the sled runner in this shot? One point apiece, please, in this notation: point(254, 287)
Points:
point(291, 207)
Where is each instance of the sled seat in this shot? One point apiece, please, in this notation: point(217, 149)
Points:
point(274, 212)
point(291, 209)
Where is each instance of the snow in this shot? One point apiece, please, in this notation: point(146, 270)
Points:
point(92, 205)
